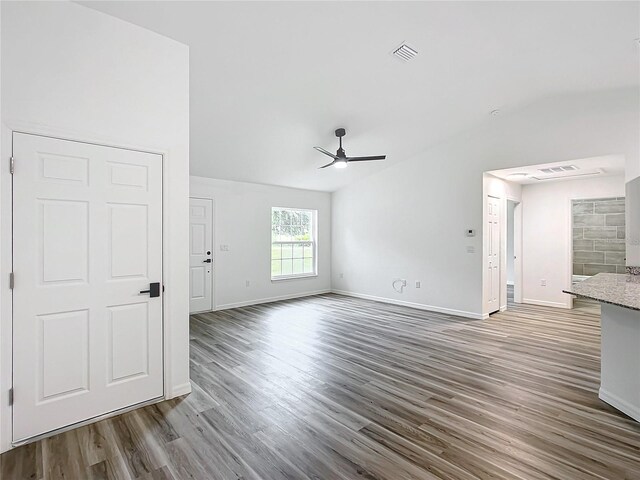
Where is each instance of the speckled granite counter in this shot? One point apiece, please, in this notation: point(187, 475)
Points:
point(616, 289)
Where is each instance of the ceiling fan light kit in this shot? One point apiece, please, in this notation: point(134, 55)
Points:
point(340, 159)
point(340, 164)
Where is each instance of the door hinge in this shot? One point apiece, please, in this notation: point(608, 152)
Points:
point(12, 280)
point(11, 396)
point(12, 165)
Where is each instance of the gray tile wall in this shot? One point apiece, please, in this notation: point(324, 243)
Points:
point(598, 236)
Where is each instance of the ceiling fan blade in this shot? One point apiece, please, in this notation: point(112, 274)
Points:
point(322, 150)
point(365, 159)
point(327, 165)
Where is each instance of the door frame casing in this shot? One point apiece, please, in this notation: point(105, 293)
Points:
point(214, 256)
point(517, 250)
point(568, 281)
point(6, 261)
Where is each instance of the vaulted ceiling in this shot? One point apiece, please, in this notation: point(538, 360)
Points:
point(270, 80)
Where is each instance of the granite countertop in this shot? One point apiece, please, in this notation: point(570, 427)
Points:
point(616, 289)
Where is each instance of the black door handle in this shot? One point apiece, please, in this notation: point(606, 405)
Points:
point(208, 260)
point(154, 290)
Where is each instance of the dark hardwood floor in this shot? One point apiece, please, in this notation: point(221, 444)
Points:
point(331, 387)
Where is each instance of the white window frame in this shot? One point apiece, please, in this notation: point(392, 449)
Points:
point(313, 241)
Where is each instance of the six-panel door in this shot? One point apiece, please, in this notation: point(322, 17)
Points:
point(493, 254)
point(200, 254)
point(87, 239)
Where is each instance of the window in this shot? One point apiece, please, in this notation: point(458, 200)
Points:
point(293, 243)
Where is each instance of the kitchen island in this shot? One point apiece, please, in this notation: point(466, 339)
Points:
point(619, 296)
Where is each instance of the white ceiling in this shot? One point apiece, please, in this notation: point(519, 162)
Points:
point(604, 166)
point(270, 80)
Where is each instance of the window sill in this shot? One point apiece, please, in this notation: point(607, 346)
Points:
point(293, 277)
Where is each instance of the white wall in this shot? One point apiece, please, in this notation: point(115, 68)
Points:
point(242, 220)
point(632, 167)
point(74, 72)
point(547, 235)
point(632, 211)
point(409, 220)
point(632, 172)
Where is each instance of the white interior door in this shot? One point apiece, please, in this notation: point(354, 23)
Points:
point(200, 254)
point(493, 254)
point(87, 239)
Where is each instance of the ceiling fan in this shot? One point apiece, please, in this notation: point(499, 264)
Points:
point(340, 159)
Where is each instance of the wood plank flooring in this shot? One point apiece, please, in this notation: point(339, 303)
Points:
point(332, 387)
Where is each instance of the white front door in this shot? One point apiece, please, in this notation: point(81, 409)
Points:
point(200, 254)
point(493, 253)
point(87, 239)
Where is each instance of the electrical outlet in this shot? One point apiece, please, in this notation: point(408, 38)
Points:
point(543, 283)
point(418, 284)
point(247, 283)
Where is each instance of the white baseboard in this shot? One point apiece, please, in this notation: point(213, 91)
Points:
point(625, 407)
point(544, 303)
point(179, 390)
point(419, 306)
point(247, 303)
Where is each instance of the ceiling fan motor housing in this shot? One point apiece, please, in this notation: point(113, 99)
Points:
point(340, 132)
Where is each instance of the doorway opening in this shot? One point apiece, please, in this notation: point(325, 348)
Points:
point(514, 266)
point(566, 221)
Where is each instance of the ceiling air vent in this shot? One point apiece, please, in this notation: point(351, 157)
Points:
point(566, 174)
point(561, 169)
point(404, 52)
